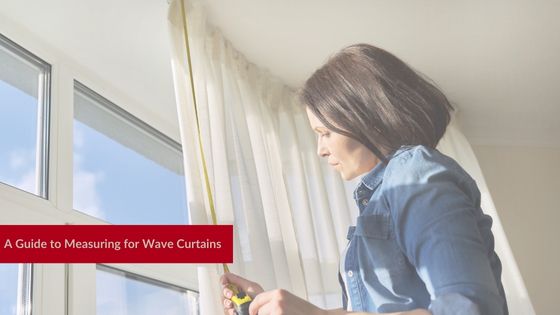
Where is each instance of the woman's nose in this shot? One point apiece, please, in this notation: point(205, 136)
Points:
point(322, 151)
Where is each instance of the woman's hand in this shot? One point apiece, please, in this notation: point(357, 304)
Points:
point(282, 302)
point(250, 288)
point(275, 302)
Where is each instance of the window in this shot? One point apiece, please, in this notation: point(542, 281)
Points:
point(15, 289)
point(119, 292)
point(24, 118)
point(125, 171)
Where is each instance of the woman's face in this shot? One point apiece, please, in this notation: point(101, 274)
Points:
point(346, 155)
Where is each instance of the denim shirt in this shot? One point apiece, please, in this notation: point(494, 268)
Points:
point(421, 240)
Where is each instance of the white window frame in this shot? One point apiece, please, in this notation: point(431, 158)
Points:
point(70, 288)
point(43, 111)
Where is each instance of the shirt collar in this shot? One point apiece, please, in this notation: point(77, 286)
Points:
point(373, 178)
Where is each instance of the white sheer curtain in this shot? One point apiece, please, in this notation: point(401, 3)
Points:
point(260, 174)
point(290, 210)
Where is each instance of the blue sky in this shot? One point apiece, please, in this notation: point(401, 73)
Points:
point(119, 185)
point(18, 128)
point(8, 288)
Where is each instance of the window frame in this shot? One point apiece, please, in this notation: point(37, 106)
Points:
point(43, 112)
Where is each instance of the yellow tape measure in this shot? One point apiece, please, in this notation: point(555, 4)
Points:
point(203, 158)
point(240, 299)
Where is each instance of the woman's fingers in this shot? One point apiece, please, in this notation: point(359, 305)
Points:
point(258, 302)
point(228, 304)
point(281, 302)
point(242, 284)
point(228, 307)
point(265, 302)
point(227, 293)
point(231, 282)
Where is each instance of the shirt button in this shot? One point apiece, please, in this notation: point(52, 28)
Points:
point(350, 273)
point(365, 201)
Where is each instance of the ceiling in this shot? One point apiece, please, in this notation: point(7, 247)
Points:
point(496, 60)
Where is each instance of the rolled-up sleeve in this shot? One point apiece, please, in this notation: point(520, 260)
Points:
point(436, 218)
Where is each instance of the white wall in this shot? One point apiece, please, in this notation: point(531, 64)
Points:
point(524, 185)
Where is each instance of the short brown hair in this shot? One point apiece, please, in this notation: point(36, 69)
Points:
point(370, 95)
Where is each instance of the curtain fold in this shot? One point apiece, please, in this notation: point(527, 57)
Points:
point(290, 210)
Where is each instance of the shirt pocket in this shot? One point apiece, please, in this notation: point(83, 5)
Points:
point(378, 250)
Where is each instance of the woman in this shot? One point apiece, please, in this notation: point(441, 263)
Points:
point(421, 244)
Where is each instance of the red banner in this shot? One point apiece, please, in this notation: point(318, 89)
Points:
point(116, 243)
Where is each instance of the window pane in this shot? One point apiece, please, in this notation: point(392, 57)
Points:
point(23, 101)
point(124, 171)
point(8, 288)
point(121, 293)
point(14, 289)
